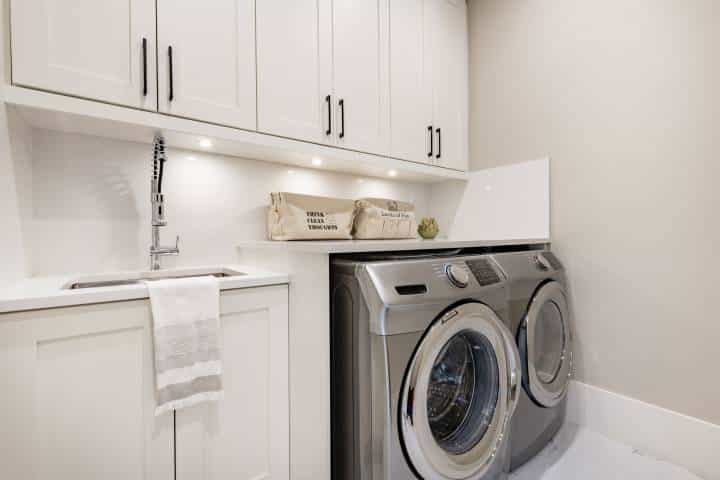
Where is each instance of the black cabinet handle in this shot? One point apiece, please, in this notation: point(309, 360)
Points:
point(430, 133)
point(342, 117)
point(171, 96)
point(144, 54)
point(328, 100)
point(439, 134)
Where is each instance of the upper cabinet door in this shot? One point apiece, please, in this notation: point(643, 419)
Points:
point(360, 74)
point(101, 50)
point(294, 59)
point(210, 72)
point(450, 83)
point(411, 94)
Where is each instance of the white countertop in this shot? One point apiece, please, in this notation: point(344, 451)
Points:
point(358, 246)
point(48, 292)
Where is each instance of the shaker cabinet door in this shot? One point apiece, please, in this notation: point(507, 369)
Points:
point(246, 435)
point(411, 94)
point(100, 50)
point(360, 75)
point(450, 83)
point(78, 396)
point(294, 61)
point(206, 67)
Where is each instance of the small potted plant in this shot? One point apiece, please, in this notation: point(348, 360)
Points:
point(428, 228)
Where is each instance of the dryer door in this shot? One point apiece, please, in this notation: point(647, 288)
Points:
point(459, 393)
point(544, 342)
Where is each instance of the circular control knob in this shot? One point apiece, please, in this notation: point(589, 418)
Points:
point(457, 275)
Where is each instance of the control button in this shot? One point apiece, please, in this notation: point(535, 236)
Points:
point(457, 275)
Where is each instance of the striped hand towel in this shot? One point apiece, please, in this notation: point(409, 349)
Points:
point(186, 331)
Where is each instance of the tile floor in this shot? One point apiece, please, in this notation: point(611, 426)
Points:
point(581, 454)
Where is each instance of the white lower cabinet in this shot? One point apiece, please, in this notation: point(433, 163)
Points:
point(245, 436)
point(78, 397)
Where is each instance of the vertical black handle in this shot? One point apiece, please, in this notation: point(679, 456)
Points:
point(328, 100)
point(144, 54)
point(439, 134)
point(342, 117)
point(171, 96)
point(430, 133)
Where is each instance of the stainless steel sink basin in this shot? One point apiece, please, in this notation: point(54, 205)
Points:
point(133, 278)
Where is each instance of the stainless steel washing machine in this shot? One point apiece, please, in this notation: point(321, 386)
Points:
point(425, 373)
point(540, 319)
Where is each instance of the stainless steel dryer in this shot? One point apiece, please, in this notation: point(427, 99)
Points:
point(425, 374)
point(540, 319)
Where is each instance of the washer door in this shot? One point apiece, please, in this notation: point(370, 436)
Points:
point(544, 342)
point(459, 393)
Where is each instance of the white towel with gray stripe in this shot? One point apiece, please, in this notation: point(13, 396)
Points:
point(186, 332)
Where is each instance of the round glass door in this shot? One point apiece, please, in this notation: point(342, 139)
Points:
point(544, 341)
point(463, 392)
point(458, 394)
point(549, 343)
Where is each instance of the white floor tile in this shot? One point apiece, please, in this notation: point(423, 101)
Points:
point(581, 454)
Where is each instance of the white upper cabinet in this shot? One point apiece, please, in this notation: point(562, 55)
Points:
point(322, 72)
point(360, 75)
point(206, 68)
point(101, 50)
point(429, 81)
point(411, 94)
point(380, 77)
point(450, 83)
point(294, 58)
point(246, 435)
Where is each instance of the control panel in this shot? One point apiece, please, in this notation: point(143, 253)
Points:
point(484, 271)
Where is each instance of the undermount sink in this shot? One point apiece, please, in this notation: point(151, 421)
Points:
point(133, 278)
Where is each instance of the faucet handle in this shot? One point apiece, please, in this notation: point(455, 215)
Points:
point(177, 243)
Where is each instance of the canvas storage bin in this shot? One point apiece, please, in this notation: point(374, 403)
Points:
point(380, 218)
point(305, 217)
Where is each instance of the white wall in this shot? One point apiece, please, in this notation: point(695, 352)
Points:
point(91, 202)
point(12, 253)
point(625, 98)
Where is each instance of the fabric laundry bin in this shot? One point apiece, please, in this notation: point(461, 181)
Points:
point(380, 218)
point(294, 216)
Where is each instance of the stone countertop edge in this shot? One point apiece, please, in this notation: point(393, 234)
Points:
point(47, 292)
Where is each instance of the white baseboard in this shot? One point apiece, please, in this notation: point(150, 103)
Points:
point(654, 431)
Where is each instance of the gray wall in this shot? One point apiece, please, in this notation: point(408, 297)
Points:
point(624, 95)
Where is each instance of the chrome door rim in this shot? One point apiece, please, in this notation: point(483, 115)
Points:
point(548, 394)
point(423, 451)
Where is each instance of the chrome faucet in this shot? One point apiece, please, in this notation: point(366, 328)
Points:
point(158, 206)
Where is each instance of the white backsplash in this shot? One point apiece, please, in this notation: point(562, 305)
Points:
point(91, 202)
point(506, 202)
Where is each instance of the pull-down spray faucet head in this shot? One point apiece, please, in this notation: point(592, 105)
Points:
point(158, 167)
